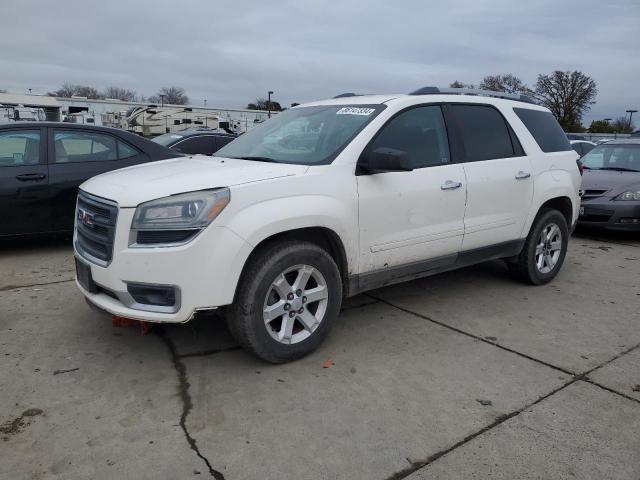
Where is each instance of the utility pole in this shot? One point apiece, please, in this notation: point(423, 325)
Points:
point(631, 112)
point(162, 99)
point(205, 103)
point(269, 104)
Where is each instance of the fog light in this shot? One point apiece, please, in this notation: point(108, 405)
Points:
point(158, 295)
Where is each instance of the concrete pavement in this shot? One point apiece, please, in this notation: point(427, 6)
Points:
point(463, 375)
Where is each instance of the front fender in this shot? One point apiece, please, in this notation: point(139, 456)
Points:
point(259, 221)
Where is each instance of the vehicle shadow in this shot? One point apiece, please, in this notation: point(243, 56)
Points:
point(612, 236)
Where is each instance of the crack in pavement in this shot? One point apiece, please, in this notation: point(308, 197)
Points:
point(187, 403)
point(576, 377)
point(475, 337)
point(419, 464)
point(16, 287)
point(213, 351)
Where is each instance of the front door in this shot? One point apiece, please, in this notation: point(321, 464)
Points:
point(24, 206)
point(412, 219)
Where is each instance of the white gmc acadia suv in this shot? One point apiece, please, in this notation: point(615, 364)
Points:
point(327, 200)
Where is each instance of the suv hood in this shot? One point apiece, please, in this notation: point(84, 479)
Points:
point(609, 180)
point(134, 185)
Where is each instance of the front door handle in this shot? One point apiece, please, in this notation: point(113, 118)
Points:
point(36, 177)
point(450, 185)
point(521, 175)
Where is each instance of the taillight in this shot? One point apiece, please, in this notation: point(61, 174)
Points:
point(580, 166)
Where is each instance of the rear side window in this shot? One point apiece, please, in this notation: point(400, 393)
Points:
point(125, 150)
point(545, 130)
point(77, 146)
point(484, 131)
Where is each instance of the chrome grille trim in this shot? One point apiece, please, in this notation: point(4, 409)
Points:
point(95, 237)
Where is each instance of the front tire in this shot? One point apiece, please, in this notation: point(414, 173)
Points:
point(287, 301)
point(544, 250)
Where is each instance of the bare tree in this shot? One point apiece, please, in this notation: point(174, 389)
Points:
point(506, 82)
point(263, 104)
point(120, 93)
point(69, 90)
point(457, 84)
point(569, 95)
point(172, 95)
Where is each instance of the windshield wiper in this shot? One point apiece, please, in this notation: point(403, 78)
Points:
point(257, 159)
point(620, 169)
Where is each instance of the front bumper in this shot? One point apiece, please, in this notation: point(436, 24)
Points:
point(204, 272)
point(610, 214)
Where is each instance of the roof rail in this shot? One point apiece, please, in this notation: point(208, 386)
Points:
point(348, 94)
point(473, 91)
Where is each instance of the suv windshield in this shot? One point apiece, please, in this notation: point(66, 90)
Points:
point(304, 135)
point(624, 158)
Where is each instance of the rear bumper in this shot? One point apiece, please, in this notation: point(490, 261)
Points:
point(611, 215)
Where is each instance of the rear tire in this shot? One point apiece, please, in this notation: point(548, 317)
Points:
point(287, 301)
point(544, 250)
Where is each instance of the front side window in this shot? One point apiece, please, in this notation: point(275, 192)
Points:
point(484, 131)
point(623, 158)
point(72, 147)
point(304, 136)
point(19, 148)
point(420, 133)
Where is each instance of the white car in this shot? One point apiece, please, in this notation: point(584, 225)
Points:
point(327, 200)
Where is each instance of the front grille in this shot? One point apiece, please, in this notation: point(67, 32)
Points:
point(593, 194)
point(95, 228)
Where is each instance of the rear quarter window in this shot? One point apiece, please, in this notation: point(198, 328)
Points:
point(545, 129)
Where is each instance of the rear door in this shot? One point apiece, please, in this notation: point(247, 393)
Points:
point(75, 155)
point(24, 206)
point(498, 173)
point(412, 219)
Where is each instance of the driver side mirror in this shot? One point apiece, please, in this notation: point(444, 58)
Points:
point(383, 160)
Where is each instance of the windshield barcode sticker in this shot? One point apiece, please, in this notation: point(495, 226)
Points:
point(355, 111)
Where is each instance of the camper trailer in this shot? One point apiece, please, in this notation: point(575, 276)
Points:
point(19, 113)
point(152, 120)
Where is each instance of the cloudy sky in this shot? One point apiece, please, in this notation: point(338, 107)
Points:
point(232, 52)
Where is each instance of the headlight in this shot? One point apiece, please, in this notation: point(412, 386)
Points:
point(629, 195)
point(186, 211)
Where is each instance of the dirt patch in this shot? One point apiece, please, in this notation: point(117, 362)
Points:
point(15, 426)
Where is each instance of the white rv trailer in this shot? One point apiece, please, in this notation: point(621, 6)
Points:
point(152, 120)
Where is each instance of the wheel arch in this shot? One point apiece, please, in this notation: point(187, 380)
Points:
point(324, 237)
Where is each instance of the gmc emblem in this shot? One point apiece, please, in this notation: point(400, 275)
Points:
point(85, 218)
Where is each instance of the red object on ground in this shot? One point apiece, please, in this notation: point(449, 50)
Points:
point(118, 321)
point(328, 364)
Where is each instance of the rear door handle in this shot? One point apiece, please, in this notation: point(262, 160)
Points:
point(450, 185)
point(36, 177)
point(521, 175)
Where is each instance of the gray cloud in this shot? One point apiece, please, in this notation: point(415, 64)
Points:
point(231, 53)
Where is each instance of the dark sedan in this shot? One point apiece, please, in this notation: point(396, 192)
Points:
point(195, 140)
point(611, 186)
point(43, 163)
